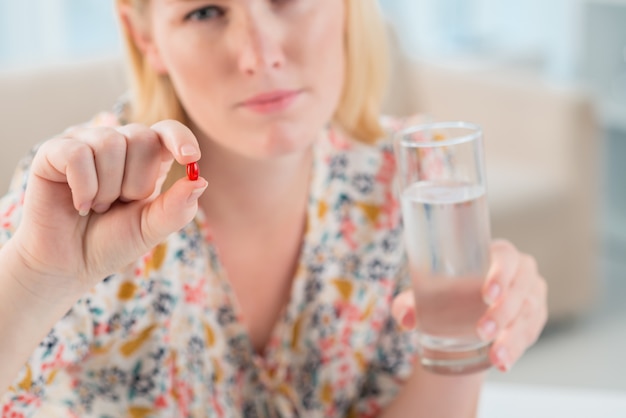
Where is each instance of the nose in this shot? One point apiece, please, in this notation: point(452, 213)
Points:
point(260, 47)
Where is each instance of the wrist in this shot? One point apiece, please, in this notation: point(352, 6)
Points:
point(29, 285)
point(427, 394)
point(463, 382)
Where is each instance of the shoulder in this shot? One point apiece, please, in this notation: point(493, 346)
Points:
point(112, 118)
point(348, 156)
point(106, 119)
point(392, 125)
point(355, 189)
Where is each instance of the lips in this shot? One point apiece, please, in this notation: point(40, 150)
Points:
point(271, 102)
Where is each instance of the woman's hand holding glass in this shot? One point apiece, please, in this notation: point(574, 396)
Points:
point(93, 204)
point(517, 299)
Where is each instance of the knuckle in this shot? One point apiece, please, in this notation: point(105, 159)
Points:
point(133, 128)
point(501, 315)
point(148, 142)
point(168, 123)
point(46, 147)
point(79, 153)
point(109, 140)
point(538, 317)
point(42, 154)
point(530, 262)
point(145, 140)
point(543, 288)
point(540, 292)
point(138, 133)
point(508, 313)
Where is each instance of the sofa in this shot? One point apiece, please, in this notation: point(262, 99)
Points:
point(39, 102)
point(541, 147)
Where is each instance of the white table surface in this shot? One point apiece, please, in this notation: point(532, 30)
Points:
point(500, 400)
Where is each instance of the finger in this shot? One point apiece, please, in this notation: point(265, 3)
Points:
point(144, 157)
point(65, 160)
point(500, 315)
point(179, 141)
point(171, 211)
point(504, 260)
point(403, 309)
point(522, 333)
point(109, 149)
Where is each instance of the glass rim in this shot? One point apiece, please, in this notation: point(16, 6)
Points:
point(476, 133)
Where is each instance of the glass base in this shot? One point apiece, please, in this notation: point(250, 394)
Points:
point(456, 362)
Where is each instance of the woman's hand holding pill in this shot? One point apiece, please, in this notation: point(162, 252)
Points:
point(93, 203)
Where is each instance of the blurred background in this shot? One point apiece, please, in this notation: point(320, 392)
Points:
point(545, 78)
point(547, 81)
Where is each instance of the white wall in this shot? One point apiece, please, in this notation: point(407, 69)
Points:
point(542, 33)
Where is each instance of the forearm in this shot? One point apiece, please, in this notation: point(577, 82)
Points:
point(27, 313)
point(436, 396)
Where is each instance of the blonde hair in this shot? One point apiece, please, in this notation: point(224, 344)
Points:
point(154, 98)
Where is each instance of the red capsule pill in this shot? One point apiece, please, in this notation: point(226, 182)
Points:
point(193, 172)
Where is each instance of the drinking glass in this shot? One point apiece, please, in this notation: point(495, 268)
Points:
point(447, 235)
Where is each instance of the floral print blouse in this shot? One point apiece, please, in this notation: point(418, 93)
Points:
point(166, 338)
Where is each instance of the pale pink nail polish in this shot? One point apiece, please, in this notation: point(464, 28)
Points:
point(487, 330)
point(493, 293)
point(84, 209)
point(504, 361)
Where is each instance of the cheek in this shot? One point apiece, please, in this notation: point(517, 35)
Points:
point(325, 58)
point(334, 56)
point(195, 76)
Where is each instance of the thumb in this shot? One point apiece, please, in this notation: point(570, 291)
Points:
point(171, 211)
point(403, 309)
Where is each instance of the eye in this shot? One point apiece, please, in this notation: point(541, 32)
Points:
point(205, 13)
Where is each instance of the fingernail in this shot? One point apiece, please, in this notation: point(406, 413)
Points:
point(502, 356)
point(84, 209)
point(408, 319)
point(493, 293)
point(487, 330)
point(188, 150)
point(195, 194)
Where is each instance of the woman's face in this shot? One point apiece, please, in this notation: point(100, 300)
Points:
point(258, 77)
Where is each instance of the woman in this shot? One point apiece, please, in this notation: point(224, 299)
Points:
point(267, 292)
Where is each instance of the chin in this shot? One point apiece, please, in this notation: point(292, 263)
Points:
point(283, 139)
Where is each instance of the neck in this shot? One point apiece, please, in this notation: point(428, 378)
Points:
point(244, 191)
